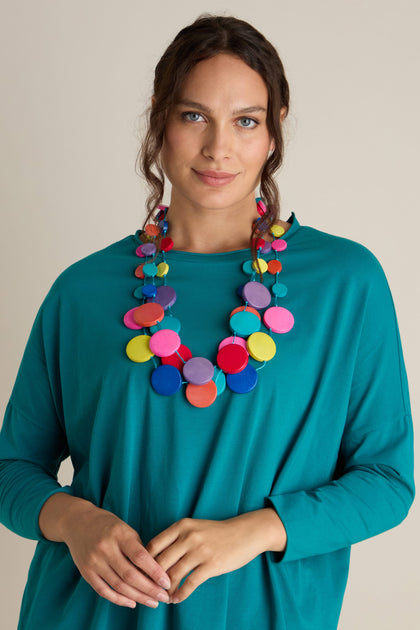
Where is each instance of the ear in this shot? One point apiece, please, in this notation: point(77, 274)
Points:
point(283, 113)
point(153, 101)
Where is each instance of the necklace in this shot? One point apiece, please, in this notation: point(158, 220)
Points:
point(160, 339)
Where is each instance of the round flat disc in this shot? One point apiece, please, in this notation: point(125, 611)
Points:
point(139, 272)
point(166, 380)
point(164, 342)
point(235, 340)
point(244, 323)
point(198, 371)
point(261, 346)
point(262, 264)
point(175, 360)
point(232, 358)
point(279, 244)
point(152, 230)
point(267, 247)
point(129, 320)
point(148, 314)
point(201, 395)
point(139, 251)
point(247, 308)
point(162, 269)
point(244, 381)
point(279, 289)
point(149, 290)
point(138, 349)
point(277, 230)
point(165, 296)
point(220, 379)
point(274, 266)
point(279, 319)
point(148, 249)
point(256, 294)
point(247, 268)
point(169, 321)
point(150, 270)
point(166, 244)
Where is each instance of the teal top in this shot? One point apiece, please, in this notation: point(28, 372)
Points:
point(325, 437)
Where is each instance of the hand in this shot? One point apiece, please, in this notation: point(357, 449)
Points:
point(110, 556)
point(208, 548)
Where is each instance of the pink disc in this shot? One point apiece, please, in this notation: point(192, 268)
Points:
point(279, 319)
point(129, 320)
point(175, 360)
point(279, 244)
point(240, 341)
point(164, 342)
point(139, 251)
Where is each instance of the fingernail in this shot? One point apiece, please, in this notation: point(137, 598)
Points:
point(163, 597)
point(164, 583)
point(175, 600)
point(152, 603)
point(131, 604)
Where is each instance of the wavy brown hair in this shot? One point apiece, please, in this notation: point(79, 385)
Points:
point(208, 36)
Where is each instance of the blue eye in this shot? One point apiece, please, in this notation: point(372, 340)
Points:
point(191, 116)
point(249, 123)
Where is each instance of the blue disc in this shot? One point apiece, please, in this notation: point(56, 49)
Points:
point(166, 380)
point(279, 289)
point(243, 382)
point(149, 290)
point(244, 323)
point(170, 322)
point(220, 379)
point(239, 290)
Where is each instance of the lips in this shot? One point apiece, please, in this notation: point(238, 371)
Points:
point(215, 178)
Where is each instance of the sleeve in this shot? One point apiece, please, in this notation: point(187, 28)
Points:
point(373, 487)
point(32, 439)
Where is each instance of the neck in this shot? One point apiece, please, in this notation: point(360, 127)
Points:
point(210, 230)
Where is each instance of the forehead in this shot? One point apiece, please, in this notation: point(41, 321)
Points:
point(224, 76)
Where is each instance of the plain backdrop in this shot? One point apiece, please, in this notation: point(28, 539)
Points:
point(76, 76)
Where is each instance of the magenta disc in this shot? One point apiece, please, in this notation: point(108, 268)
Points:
point(165, 296)
point(256, 294)
point(279, 319)
point(279, 244)
point(237, 340)
point(129, 320)
point(175, 359)
point(139, 251)
point(164, 342)
point(198, 371)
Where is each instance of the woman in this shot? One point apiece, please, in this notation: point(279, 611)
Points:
point(236, 412)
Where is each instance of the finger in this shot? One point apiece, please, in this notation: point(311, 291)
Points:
point(181, 569)
point(141, 558)
point(160, 542)
point(197, 577)
point(105, 591)
point(127, 576)
point(117, 584)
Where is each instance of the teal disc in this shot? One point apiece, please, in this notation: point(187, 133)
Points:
point(279, 289)
point(247, 268)
point(220, 379)
point(244, 323)
point(150, 270)
point(168, 322)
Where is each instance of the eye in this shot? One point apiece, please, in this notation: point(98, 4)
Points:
point(191, 116)
point(248, 123)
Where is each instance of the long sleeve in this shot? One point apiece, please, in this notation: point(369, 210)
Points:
point(373, 486)
point(32, 439)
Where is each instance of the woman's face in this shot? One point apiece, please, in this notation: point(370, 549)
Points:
point(216, 139)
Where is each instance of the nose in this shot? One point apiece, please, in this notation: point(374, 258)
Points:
point(217, 143)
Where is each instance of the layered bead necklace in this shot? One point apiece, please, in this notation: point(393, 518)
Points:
point(160, 342)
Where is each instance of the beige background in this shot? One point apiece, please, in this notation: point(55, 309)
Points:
point(75, 77)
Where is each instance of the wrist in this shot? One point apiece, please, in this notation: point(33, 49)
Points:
point(60, 514)
point(274, 530)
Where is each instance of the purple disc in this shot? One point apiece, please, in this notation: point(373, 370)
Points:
point(198, 371)
point(267, 247)
point(148, 249)
point(256, 294)
point(165, 296)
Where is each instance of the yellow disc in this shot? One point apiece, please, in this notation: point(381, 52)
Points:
point(262, 263)
point(261, 346)
point(162, 269)
point(276, 230)
point(138, 349)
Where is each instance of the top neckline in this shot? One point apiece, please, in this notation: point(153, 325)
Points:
point(175, 254)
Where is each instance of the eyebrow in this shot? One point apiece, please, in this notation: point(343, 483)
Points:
point(244, 110)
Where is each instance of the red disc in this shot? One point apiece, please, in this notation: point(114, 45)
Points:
point(175, 360)
point(148, 314)
point(250, 309)
point(151, 229)
point(274, 266)
point(232, 358)
point(139, 272)
point(166, 244)
point(201, 395)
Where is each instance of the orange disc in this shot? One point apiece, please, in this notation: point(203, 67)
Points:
point(139, 272)
point(248, 308)
point(152, 230)
point(274, 266)
point(148, 314)
point(201, 395)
